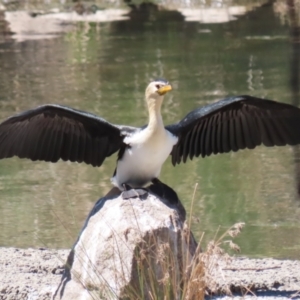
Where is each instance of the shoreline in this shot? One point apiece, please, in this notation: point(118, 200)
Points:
point(36, 273)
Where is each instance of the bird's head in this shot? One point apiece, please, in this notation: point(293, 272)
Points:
point(155, 92)
point(157, 88)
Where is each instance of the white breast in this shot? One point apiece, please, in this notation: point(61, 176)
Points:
point(142, 162)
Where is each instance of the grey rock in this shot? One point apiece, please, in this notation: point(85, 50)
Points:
point(123, 237)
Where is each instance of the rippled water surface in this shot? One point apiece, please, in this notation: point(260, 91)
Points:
point(104, 68)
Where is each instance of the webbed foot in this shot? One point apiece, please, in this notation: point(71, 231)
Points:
point(133, 193)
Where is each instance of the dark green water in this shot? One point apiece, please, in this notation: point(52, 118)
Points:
point(104, 69)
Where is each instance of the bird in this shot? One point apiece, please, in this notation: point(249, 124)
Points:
point(52, 132)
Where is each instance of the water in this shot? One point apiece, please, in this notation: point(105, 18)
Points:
point(104, 69)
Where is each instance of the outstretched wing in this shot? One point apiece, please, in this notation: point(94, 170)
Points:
point(53, 132)
point(235, 123)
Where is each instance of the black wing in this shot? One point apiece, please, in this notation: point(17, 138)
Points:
point(53, 132)
point(235, 123)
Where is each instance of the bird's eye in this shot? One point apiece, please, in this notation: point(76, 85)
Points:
point(158, 86)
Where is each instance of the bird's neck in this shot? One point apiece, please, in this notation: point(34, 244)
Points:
point(155, 118)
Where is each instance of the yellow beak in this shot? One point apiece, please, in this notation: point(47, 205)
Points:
point(164, 89)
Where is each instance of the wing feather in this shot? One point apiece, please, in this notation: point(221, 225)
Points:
point(239, 132)
point(214, 133)
point(202, 140)
point(225, 134)
point(219, 148)
point(88, 150)
point(273, 133)
point(53, 132)
point(192, 142)
point(287, 132)
point(82, 142)
point(208, 137)
point(265, 136)
point(186, 147)
point(67, 144)
point(235, 123)
point(254, 137)
point(232, 136)
point(198, 138)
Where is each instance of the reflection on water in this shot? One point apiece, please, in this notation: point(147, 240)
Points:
point(104, 68)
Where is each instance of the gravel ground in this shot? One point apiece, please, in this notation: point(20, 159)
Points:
point(33, 274)
point(265, 277)
point(30, 273)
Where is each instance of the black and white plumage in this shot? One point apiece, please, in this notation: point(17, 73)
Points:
point(53, 132)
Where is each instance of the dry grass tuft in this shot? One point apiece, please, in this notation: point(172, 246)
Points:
point(215, 258)
point(160, 277)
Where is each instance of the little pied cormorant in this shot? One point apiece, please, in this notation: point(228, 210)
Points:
point(53, 132)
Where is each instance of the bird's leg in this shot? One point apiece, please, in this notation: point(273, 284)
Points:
point(132, 193)
point(126, 187)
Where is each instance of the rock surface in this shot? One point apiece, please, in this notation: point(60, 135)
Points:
point(122, 240)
